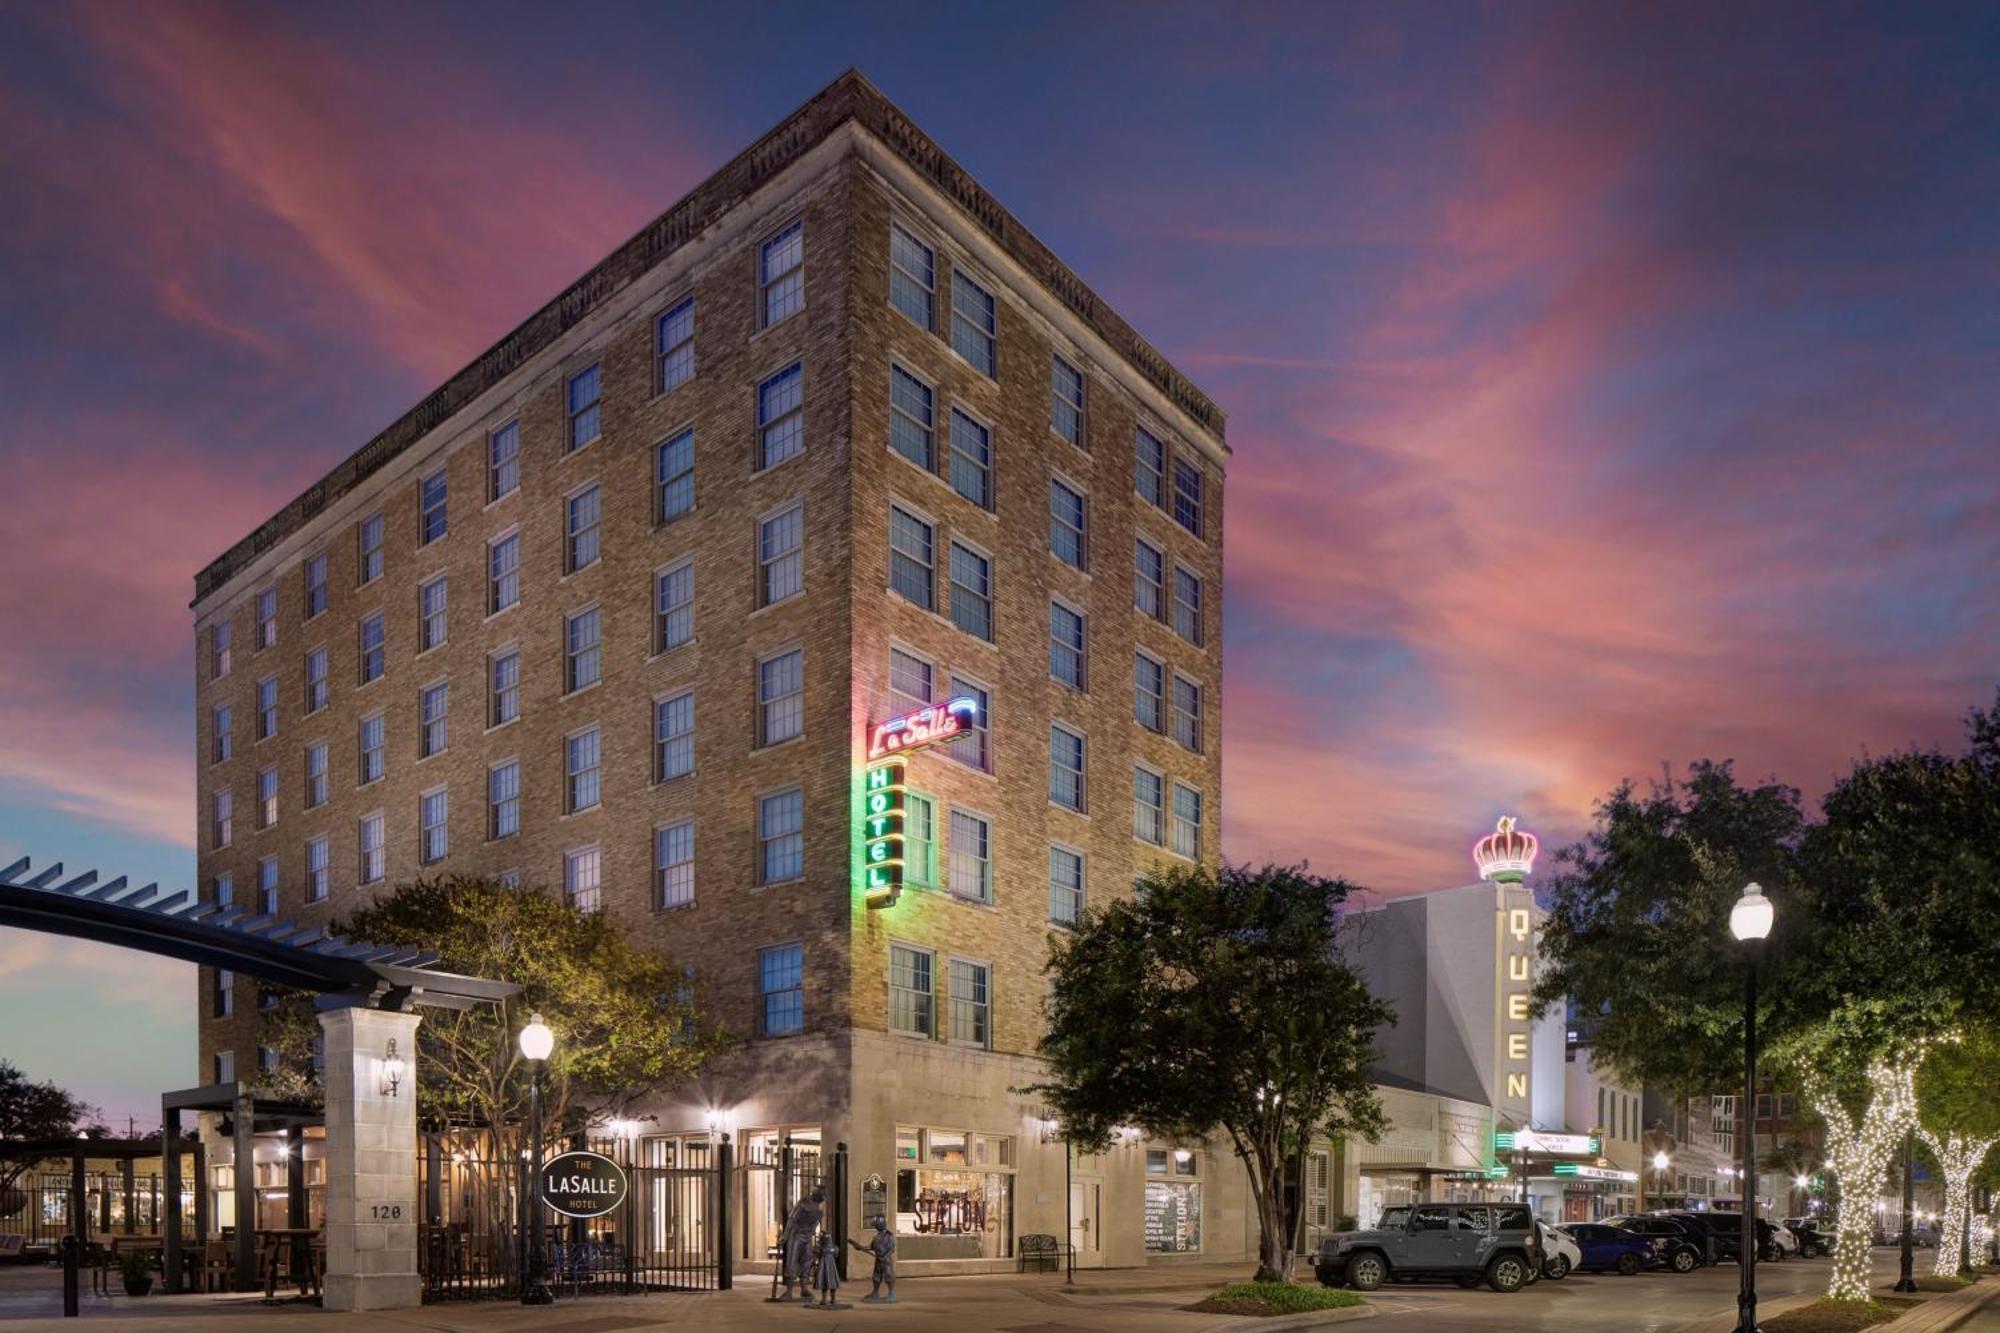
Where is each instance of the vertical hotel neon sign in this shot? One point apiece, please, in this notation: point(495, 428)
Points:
point(885, 786)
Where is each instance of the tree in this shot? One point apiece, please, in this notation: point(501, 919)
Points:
point(1216, 1000)
point(1958, 1115)
point(29, 1111)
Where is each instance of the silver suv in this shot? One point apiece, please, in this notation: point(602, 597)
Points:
point(1494, 1243)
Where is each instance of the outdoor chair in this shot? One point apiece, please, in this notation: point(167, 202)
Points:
point(1039, 1252)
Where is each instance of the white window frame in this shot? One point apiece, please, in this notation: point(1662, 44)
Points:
point(499, 466)
point(765, 703)
point(984, 858)
point(575, 892)
point(662, 743)
point(667, 374)
point(1160, 812)
point(592, 408)
point(1079, 405)
point(791, 558)
point(953, 454)
point(319, 863)
point(593, 652)
point(775, 286)
point(1081, 891)
point(1080, 772)
point(953, 584)
point(319, 691)
point(766, 838)
point(427, 743)
point(775, 425)
point(975, 335)
point(1158, 726)
point(1082, 650)
point(929, 566)
point(1175, 822)
point(362, 750)
point(664, 612)
point(495, 803)
point(316, 782)
point(500, 582)
point(669, 875)
point(433, 837)
point(574, 535)
point(367, 553)
point(926, 284)
point(375, 870)
point(924, 1001)
point(381, 652)
point(983, 1008)
point(1196, 720)
point(496, 694)
point(426, 508)
point(572, 773)
point(925, 427)
point(663, 485)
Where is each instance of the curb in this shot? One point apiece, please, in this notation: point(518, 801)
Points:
point(1285, 1323)
point(1948, 1311)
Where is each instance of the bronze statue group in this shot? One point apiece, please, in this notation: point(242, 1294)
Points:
point(810, 1257)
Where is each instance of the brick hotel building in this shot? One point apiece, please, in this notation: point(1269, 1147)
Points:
point(614, 609)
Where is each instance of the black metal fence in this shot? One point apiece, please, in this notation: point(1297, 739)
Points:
point(37, 1206)
point(775, 1175)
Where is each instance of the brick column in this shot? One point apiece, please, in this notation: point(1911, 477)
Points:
point(371, 1163)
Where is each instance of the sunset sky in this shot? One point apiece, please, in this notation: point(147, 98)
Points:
point(1609, 386)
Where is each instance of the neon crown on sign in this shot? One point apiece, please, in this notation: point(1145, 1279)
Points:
point(1507, 854)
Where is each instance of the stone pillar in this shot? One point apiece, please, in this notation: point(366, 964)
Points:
point(371, 1163)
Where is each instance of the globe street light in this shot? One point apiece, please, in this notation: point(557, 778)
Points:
point(1750, 922)
point(1660, 1164)
point(537, 1042)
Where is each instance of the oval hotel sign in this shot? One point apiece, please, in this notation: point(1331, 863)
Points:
point(583, 1184)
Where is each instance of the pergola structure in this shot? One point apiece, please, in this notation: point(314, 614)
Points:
point(368, 996)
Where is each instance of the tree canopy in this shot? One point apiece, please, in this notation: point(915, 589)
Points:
point(31, 1110)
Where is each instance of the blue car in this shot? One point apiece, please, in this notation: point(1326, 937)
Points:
point(1611, 1249)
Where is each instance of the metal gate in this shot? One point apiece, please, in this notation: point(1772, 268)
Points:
point(779, 1171)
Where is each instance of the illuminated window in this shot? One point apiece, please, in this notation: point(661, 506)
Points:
point(674, 346)
point(373, 864)
point(315, 775)
point(1149, 816)
point(503, 799)
point(583, 528)
point(1149, 591)
point(221, 823)
point(431, 517)
point(267, 618)
point(582, 871)
point(673, 864)
point(582, 754)
point(912, 990)
point(971, 872)
point(503, 461)
point(1066, 767)
point(912, 426)
point(919, 839)
point(1149, 692)
point(1187, 605)
point(1066, 401)
point(368, 535)
point(433, 702)
point(267, 796)
point(431, 621)
point(267, 708)
point(781, 697)
point(673, 609)
point(781, 274)
point(316, 688)
point(971, 591)
point(1149, 469)
point(969, 746)
point(971, 460)
point(1187, 713)
point(781, 562)
point(316, 869)
point(503, 687)
point(218, 648)
point(433, 826)
point(971, 1003)
point(1065, 886)
point(503, 573)
point(911, 556)
point(584, 659)
point(781, 837)
point(267, 886)
point(781, 417)
point(912, 278)
point(1066, 645)
point(586, 401)
point(315, 575)
point(1187, 495)
point(673, 737)
point(781, 989)
point(219, 737)
point(373, 747)
point(374, 656)
point(973, 322)
point(673, 474)
point(1067, 510)
point(1186, 822)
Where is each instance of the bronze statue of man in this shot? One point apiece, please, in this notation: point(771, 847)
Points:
point(795, 1246)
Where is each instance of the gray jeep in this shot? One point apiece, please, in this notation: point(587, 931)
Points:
point(1470, 1243)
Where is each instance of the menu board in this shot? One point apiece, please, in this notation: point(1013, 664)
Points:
point(1173, 1216)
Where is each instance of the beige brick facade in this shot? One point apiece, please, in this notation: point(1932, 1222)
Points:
point(846, 165)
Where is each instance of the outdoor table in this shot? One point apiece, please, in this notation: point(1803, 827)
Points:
point(274, 1241)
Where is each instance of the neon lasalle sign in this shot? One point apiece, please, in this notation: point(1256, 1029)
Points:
point(884, 785)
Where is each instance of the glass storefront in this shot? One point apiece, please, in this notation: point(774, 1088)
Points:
point(954, 1194)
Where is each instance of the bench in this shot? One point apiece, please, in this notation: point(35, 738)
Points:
point(1045, 1253)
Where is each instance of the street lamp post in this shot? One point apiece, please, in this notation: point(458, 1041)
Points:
point(536, 1044)
point(1750, 922)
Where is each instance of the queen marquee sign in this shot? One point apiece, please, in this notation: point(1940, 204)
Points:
point(583, 1184)
point(884, 784)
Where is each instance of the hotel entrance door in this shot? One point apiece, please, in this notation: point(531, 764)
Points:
point(1086, 1206)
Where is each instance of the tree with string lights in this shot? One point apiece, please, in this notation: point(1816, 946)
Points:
point(1958, 1118)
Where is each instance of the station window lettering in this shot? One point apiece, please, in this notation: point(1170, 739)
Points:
point(956, 1188)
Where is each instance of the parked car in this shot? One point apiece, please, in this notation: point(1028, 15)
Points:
point(1783, 1237)
point(1470, 1243)
point(1812, 1241)
point(1683, 1248)
point(1605, 1248)
point(1727, 1229)
point(1560, 1252)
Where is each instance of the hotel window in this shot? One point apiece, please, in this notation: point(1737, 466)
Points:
point(586, 392)
point(971, 1003)
point(1149, 468)
point(912, 426)
point(912, 278)
point(969, 746)
point(673, 737)
point(225, 993)
point(433, 703)
point(1187, 605)
point(673, 474)
point(368, 537)
point(781, 417)
point(971, 865)
point(583, 763)
point(781, 697)
point(781, 274)
point(673, 864)
point(781, 987)
point(219, 738)
point(315, 585)
point(225, 1070)
point(225, 890)
point(221, 819)
point(433, 826)
point(781, 837)
point(1149, 820)
point(218, 648)
point(971, 591)
point(909, 681)
point(1186, 822)
point(1187, 713)
point(373, 747)
point(503, 687)
point(267, 886)
point(910, 556)
point(267, 619)
point(316, 689)
point(583, 526)
point(1149, 580)
point(267, 1059)
point(374, 656)
point(1066, 401)
point(973, 322)
point(582, 871)
point(1066, 645)
point(781, 562)
point(1067, 511)
point(316, 869)
point(267, 708)
point(971, 460)
point(919, 839)
point(1149, 689)
point(431, 516)
point(912, 990)
point(373, 863)
point(1187, 495)
point(315, 775)
point(1066, 768)
point(503, 799)
point(503, 573)
point(431, 623)
point(503, 461)
point(583, 658)
point(1065, 886)
point(674, 345)
point(673, 611)
point(267, 796)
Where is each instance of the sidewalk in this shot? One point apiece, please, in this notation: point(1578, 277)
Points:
point(1947, 1311)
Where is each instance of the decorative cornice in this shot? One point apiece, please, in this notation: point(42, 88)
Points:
point(850, 97)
